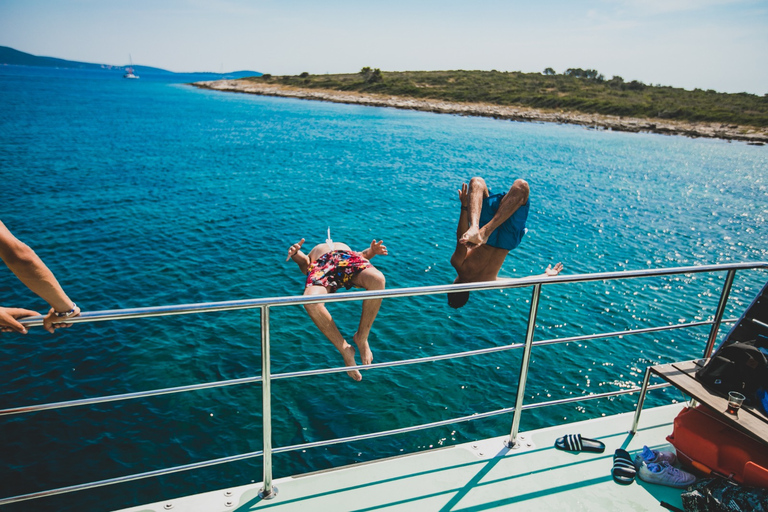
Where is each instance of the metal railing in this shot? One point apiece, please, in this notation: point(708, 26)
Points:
point(266, 377)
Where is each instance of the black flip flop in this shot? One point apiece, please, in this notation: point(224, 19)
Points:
point(576, 443)
point(624, 470)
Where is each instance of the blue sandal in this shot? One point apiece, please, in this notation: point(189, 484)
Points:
point(576, 443)
point(624, 470)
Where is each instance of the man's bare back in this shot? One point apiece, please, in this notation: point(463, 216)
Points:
point(476, 264)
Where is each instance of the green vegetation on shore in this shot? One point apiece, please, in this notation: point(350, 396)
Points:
point(575, 90)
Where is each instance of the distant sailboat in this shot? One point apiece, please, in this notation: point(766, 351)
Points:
point(129, 69)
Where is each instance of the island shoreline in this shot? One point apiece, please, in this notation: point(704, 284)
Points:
point(749, 134)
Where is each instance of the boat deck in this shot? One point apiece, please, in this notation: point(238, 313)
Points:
point(484, 475)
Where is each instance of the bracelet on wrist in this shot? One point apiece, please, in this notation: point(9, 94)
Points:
point(65, 314)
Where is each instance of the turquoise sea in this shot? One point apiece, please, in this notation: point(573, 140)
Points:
point(151, 192)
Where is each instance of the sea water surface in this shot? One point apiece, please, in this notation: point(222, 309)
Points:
point(151, 192)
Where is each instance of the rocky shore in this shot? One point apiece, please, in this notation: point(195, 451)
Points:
point(752, 135)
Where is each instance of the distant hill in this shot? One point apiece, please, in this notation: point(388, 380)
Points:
point(17, 58)
point(576, 90)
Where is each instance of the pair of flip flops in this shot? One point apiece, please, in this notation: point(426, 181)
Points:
point(624, 469)
point(576, 443)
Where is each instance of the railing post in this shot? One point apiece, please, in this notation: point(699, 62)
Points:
point(641, 400)
point(512, 441)
point(268, 491)
point(720, 312)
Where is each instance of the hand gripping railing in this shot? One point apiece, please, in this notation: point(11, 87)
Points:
point(268, 490)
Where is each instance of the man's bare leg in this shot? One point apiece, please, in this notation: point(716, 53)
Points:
point(370, 279)
point(516, 197)
point(323, 320)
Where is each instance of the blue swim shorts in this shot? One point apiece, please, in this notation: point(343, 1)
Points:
point(510, 233)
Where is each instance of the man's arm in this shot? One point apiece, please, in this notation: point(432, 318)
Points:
point(295, 254)
point(30, 269)
point(551, 271)
point(374, 249)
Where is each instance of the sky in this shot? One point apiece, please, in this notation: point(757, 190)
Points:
point(705, 44)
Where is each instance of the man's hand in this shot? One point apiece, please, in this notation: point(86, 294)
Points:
point(294, 249)
point(51, 322)
point(472, 238)
point(464, 195)
point(8, 318)
point(553, 271)
point(378, 248)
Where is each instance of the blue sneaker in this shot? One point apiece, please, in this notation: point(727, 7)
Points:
point(648, 456)
point(664, 474)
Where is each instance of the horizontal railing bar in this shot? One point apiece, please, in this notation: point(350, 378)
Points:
point(207, 307)
point(128, 396)
point(424, 426)
point(490, 350)
point(130, 478)
point(304, 446)
point(245, 380)
point(338, 369)
point(758, 322)
point(643, 330)
point(402, 362)
point(384, 433)
point(607, 394)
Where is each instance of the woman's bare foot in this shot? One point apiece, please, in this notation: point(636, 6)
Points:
point(348, 353)
point(366, 356)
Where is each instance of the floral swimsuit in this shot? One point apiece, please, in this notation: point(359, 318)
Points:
point(335, 269)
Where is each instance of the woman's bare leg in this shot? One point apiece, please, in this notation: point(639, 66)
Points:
point(370, 279)
point(323, 320)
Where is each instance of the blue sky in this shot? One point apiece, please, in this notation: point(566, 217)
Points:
point(709, 44)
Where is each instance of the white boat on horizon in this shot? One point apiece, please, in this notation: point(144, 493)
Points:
point(129, 70)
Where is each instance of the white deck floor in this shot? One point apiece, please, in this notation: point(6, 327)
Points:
point(470, 477)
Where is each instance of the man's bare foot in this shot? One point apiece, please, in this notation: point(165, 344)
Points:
point(366, 356)
point(348, 354)
point(473, 237)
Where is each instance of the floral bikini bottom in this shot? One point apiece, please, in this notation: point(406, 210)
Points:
point(335, 269)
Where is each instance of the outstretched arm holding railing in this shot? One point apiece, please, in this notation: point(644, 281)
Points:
point(30, 269)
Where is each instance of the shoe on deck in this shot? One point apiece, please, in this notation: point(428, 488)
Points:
point(665, 474)
point(624, 470)
point(576, 443)
point(648, 456)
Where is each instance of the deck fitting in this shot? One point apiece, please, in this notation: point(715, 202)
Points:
point(268, 496)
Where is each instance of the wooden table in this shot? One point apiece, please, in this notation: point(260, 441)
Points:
point(750, 420)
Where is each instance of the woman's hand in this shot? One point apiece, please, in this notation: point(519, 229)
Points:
point(378, 248)
point(292, 250)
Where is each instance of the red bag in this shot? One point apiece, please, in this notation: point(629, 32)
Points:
point(708, 445)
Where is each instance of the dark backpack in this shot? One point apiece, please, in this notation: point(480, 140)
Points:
point(740, 366)
point(718, 495)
